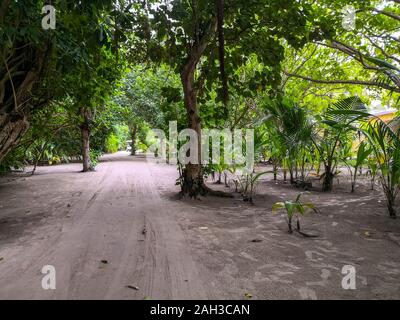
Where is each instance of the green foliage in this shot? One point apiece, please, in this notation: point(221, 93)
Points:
point(385, 143)
point(94, 157)
point(248, 182)
point(294, 209)
point(334, 133)
point(290, 130)
point(112, 143)
point(363, 153)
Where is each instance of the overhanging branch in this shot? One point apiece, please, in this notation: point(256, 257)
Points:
point(349, 82)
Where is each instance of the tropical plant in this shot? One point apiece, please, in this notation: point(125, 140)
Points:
point(373, 170)
point(385, 143)
point(294, 209)
point(248, 182)
point(354, 165)
point(336, 124)
point(290, 130)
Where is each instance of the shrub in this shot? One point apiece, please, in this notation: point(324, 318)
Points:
point(112, 143)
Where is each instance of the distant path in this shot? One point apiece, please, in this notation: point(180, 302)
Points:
point(73, 220)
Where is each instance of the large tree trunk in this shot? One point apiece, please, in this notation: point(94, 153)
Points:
point(192, 175)
point(19, 75)
point(85, 134)
point(12, 128)
point(193, 183)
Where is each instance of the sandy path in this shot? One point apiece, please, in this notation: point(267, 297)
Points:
point(115, 214)
point(127, 213)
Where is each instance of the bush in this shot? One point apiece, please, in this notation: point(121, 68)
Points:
point(112, 143)
point(94, 158)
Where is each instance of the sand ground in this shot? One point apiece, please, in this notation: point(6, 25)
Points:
point(124, 226)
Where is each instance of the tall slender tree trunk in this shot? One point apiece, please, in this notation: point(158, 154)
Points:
point(85, 135)
point(193, 183)
point(133, 137)
point(192, 175)
point(291, 175)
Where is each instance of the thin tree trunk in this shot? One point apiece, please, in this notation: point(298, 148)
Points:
point(219, 178)
point(327, 184)
point(133, 143)
point(391, 202)
point(85, 149)
point(291, 176)
point(290, 225)
point(39, 158)
point(85, 134)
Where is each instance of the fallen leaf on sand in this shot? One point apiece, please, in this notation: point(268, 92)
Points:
point(132, 287)
point(248, 295)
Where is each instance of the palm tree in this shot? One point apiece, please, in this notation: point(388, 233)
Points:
point(290, 128)
point(384, 139)
point(385, 142)
point(334, 130)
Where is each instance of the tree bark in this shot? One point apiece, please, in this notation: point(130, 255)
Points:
point(391, 202)
point(192, 175)
point(221, 53)
point(85, 134)
point(16, 95)
point(133, 137)
point(327, 184)
point(85, 149)
point(12, 128)
point(193, 182)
